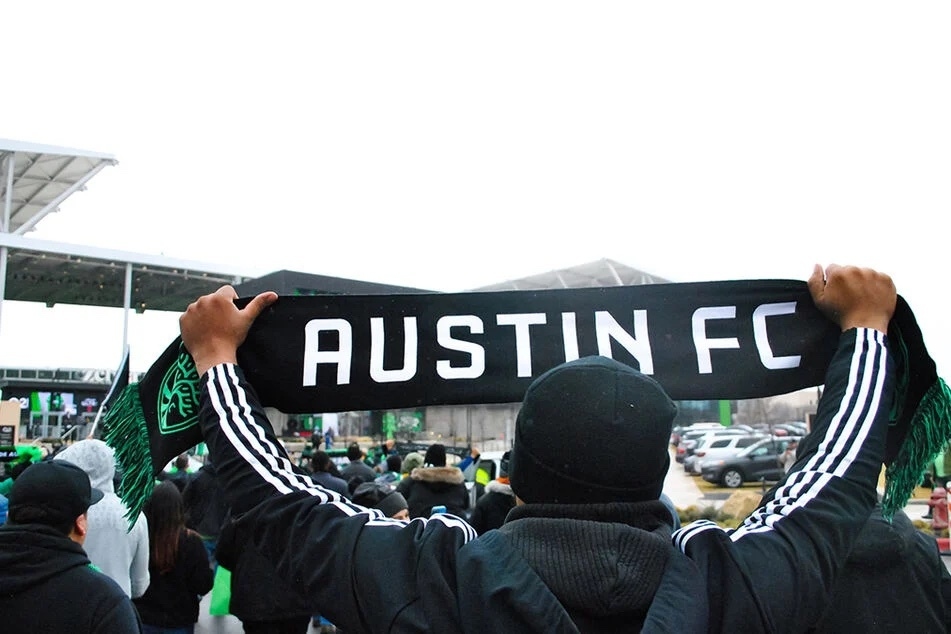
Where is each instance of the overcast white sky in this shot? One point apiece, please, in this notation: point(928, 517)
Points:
point(451, 145)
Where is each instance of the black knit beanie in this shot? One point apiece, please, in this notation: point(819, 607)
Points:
point(592, 430)
point(379, 496)
point(435, 455)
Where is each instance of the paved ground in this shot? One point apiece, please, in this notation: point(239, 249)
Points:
point(215, 624)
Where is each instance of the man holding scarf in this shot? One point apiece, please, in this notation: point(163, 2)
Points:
point(773, 573)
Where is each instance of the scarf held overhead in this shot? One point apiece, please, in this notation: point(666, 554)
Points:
point(333, 353)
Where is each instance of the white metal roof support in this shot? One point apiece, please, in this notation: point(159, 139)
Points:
point(126, 305)
point(8, 192)
point(7, 205)
point(53, 204)
point(617, 278)
point(3, 276)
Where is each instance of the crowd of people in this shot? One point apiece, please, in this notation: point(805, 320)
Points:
point(572, 535)
point(166, 561)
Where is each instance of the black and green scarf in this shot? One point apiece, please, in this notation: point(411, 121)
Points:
point(713, 340)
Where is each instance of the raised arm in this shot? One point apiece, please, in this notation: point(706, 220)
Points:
point(310, 534)
point(778, 566)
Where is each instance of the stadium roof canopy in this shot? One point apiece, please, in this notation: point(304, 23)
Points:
point(603, 272)
point(297, 283)
point(58, 273)
point(35, 179)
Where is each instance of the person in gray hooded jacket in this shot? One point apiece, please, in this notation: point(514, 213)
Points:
point(118, 551)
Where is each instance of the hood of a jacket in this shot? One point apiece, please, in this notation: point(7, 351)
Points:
point(30, 554)
point(883, 543)
point(443, 475)
point(494, 486)
point(95, 458)
point(599, 559)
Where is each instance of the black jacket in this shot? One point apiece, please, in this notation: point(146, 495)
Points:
point(492, 507)
point(371, 574)
point(427, 487)
point(172, 599)
point(893, 581)
point(258, 593)
point(48, 585)
point(206, 509)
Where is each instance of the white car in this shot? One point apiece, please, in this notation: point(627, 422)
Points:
point(690, 440)
point(718, 447)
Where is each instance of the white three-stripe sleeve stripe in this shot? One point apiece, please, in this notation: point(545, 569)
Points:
point(454, 522)
point(683, 535)
point(802, 485)
point(866, 368)
point(844, 437)
point(236, 422)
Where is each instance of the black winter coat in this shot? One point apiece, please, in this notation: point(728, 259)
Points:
point(258, 593)
point(894, 581)
point(206, 510)
point(427, 487)
point(48, 585)
point(492, 507)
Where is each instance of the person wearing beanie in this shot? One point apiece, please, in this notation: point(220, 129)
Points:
point(382, 497)
point(434, 484)
point(435, 455)
point(589, 545)
point(494, 505)
point(114, 548)
point(47, 583)
point(413, 460)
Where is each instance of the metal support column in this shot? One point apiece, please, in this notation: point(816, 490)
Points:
point(126, 306)
point(5, 226)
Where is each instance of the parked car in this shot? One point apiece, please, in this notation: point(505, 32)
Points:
point(678, 431)
point(718, 447)
point(690, 439)
point(793, 429)
point(753, 464)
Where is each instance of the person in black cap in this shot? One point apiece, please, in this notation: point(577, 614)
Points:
point(589, 546)
point(47, 583)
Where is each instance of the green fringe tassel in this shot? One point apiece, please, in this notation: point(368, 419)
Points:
point(126, 432)
point(928, 434)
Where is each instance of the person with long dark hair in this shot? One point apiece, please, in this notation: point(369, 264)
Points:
point(178, 564)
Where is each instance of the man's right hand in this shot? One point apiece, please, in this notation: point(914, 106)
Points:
point(213, 327)
point(854, 297)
